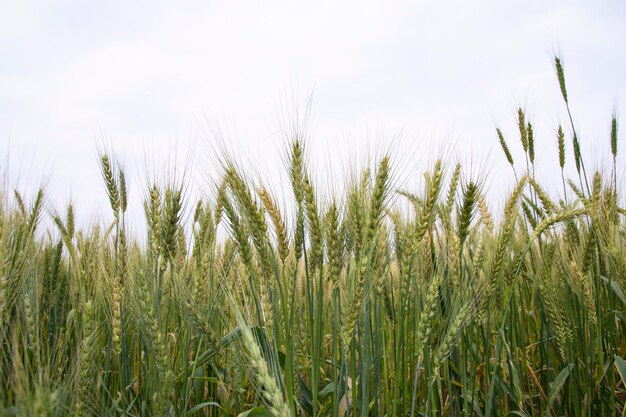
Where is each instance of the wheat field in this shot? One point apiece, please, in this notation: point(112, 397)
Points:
point(341, 306)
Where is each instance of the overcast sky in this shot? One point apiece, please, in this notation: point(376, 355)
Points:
point(145, 78)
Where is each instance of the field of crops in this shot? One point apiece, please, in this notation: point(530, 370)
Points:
point(312, 306)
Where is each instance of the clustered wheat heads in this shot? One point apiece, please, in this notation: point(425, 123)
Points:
point(318, 303)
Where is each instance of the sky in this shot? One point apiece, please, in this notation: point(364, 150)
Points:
point(169, 88)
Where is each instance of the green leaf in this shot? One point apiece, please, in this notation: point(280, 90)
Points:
point(306, 397)
point(200, 406)
point(256, 411)
point(557, 385)
point(621, 368)
point(327, 390)
point(616, 288)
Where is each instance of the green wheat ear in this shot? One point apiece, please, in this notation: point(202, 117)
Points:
point(69, 219)
point(381, 189)
point(277, 220)
point(313, 219)
point(467, 210)
point(521, 120)
point(111, 184)
point(614, 136)
point(505, 148)
point(561, 141)
point(335, 245)
point(451, 197)
point(577, 155)
point(561, 76)
point(123, 191)
point(531, 143)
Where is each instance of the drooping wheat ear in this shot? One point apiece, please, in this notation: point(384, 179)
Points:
point(157, 345)
point(529, 214)
point(576, 190)
point(69, 221)
point(505, 148)
point(561, 76)
point(428, 213)
point(454, 245)
point(122, 255)
point(408, 261)
point(399, 240)
point(152, 208)
point(427, 316)
point(297, 170)
point(589, 253)
point(221, 190)
point(366, 265)
point(611, 208)
point(271, 392)
point(116, 321)
point(521, 121)
point(454, 183)
point(356, 303)
point(480, 257)
point(32, 328)
point(87, 352)
point(355, 221)
point(511, 204)
point(413, 199)
point(209, 228)
point(298, 239)
point(199, 284)
point(4, 299)
point(111, 184)
point(561, 141)
point(461, 317)
point(198, 212)
point(313, 219)
point(280, 229)
point(595, 204)
point(531, 143)
point(538, 211)
point(202, 233)
point(427, 262)
point(170, 221)
point(485, 214)
point(585, 282)
point(123, 191)
point(382, 260)
point(253, 216)
point(165, 375)
point(379, 197)
point(466, 211)
point(556, 316)
point(548, 205)
point(388, 300)
point(62, 227)
point(505, 235)
point(559, 217)
point(35, 212)
point(614, 135)
point(239, 234)
point(577, 154)
point(335, 245)
point(181, 246)
point(20, 202)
